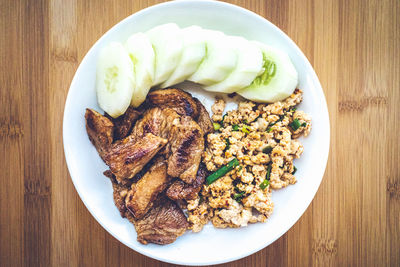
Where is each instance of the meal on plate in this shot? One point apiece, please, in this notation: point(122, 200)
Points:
point(172, 167)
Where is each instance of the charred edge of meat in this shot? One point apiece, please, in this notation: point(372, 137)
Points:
point(187, 145)
point(183, 150)
point(180, 190)
point(100, 131)
point(135, 178)
point(128, 156)
point(188, 107)
point(124, 123)
point(177, 99)
point(143, 171)
point(156, 121)
point(149, 128)
point(203, 119)
point(135, 156)
point(111, 176)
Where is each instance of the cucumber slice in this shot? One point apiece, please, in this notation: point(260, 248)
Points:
point(141, 53)
point(193, 52)
point(278, 80)
point(114, 79)
point(220, 59)
point(249, 65)
point(167, 44)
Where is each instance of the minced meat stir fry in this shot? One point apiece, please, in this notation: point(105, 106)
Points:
point(250, 153)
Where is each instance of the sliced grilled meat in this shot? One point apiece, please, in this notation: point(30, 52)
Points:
point(203, 119)
point(187, 144)
point(176, 99)
point(180, 190)
point(123, 124)
point(129, 182)
point(100, 131)
point(142, 194)
point(156, 121)
point(128, 156)
point(162, 224)
point(184, 104)
point(186, 141)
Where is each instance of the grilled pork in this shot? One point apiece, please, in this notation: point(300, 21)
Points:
point(128, 156)
point(176, 99)
point(187, 144)
point(100, 131)
point(124, 123)
point(180, 190)
point(142, 194)
point(162, 224)
point(203, 119)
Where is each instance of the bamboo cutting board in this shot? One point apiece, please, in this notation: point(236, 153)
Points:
point(354, 220)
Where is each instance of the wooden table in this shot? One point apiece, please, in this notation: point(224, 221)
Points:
point(354, 218)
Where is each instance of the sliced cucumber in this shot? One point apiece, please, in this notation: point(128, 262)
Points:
point(167, 44)
point(114, 79)
point(141, 53)
point(220, 59)
point(249, 65)
point(193, 52)
point(278, 79)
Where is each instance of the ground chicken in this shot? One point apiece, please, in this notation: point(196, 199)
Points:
point(218, 109)
point(262, 137)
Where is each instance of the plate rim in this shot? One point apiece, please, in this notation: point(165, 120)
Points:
point(324, 152)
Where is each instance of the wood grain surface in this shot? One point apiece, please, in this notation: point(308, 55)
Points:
point(354, 220)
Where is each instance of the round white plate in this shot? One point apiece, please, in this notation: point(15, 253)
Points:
point(210, 246)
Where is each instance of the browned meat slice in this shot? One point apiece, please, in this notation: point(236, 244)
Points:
point(176, 99)
point(123, 124)
point(186, 141)
point(156, 121)
point(162, 224)
point(140, 198)
point(187, 144)
point(203, 119)
point(100, 131)
point(181, 190)
point(128, 156)
point(184, 104)
point(129, 182)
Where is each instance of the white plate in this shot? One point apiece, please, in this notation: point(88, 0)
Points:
point(210, 246)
